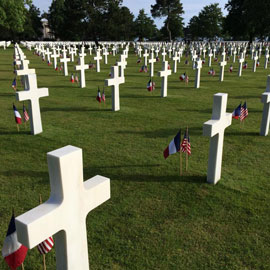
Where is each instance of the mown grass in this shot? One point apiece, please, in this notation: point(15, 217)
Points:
point(154, 219)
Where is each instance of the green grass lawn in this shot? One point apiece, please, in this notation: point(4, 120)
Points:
point(154, 219)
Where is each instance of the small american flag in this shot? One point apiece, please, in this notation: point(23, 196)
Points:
point(45, 246)
point(103, 96)
point(244, 112)
point(185, 145)
point(25, 114)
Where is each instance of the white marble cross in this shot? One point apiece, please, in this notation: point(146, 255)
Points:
point(24, 71)
point(145, 56)
point(65, 60)
point(82, 67)
point(255, 58)
point(72, 53)
point(234, 55)
point(175, 59)
point(210, 55)
point(64, 214)
point(266, 109)
point(170, 52)
point(241, 60)
point(214, 52)
point(152, 60)
point(122, 64)
point(222, 64)
point(113, 50)
point(266, 57)
point(114, 83)
point(157, 52)
point(55, 56)
point(140, 51)
point(98, 57)
point(198, 72)
point(105, 53)
point(33, 94)
point(48, 54)
point(163, 54)
point(164, 74)
point(90, 50)
point(215, 129)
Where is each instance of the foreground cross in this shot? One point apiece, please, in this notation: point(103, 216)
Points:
point(114, 83)
point(266, 109)
point(164, 74)
point(33, 93)
point(64, 214)
point(215, 128)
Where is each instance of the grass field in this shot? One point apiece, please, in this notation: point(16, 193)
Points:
point(154, 219)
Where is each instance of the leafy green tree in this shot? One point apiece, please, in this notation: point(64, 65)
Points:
point(144, 26)
point(32, 25)
point(193, 28)
point(13, 14)
point(56, 18)
point(176, 26)
point(172, 10)
point(248, 19)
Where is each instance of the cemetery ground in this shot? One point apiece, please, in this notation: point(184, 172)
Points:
point(155, 219)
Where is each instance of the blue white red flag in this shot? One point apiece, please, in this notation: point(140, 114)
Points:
point(14, 84)
point(174, 146)
point(151, 85)
point(18, 118)
point(13, 251)
point(98, 98)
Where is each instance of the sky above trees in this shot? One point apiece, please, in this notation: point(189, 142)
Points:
point(191, 7)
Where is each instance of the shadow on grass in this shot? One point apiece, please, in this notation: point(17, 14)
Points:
point(163, 133)
point(242, 133)
point(7, 94)
point(92, 171)
point(209, 111)
point(74, 109)
point(14, 132)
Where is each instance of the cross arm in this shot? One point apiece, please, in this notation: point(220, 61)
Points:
point(38, 224)
point(213, 127)
point(97, 191)
point(25, 72)
point(265, 97)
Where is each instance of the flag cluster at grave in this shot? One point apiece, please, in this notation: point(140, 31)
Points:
point(241, 112)
point(151, 85)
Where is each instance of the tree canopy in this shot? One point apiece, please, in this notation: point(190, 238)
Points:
point(173, 11)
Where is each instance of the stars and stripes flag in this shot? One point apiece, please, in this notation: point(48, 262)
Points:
point(185, 145)
point(98, 98)
point(174, 146)
point(103, 97)
point(25, 114)
point(13, 251)
point(237, 112)
point(18, 118)
point(45, 246)
point(14, 84)
point(244, 112)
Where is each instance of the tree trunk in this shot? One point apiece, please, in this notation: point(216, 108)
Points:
point(169, 31)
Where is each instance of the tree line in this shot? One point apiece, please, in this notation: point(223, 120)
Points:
point(110, 20)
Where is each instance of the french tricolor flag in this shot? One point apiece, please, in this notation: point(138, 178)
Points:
point(174, 146)
point(13, 252)
point(18, 118)
point(237, 112)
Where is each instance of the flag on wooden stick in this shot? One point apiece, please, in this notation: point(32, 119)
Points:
point(18, 118)
point(244, 112)
point(25, 114)
point(173, 147)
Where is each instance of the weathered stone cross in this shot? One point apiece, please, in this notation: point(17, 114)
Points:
point(64, 214)
point(215, 128)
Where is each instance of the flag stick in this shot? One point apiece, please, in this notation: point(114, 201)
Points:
point(181, 171)
point(22, 266)
point(18, 128)
point(43, 255)
point(186, 161)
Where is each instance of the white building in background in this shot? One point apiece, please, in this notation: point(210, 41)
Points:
point(46, 30)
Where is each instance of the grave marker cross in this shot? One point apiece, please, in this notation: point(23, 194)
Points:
point(64, 214)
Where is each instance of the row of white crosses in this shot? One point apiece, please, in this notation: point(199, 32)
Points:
point(31, 93)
